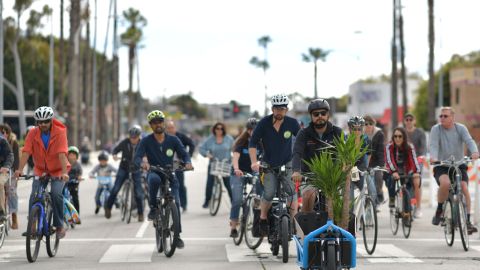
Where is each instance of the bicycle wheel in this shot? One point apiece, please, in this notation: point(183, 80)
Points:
point(394, 217)
point(3, 232)
point(406, 215)
point(122, 201)
point(51, 237)
point(285, 237)
point(241, 225)
point(251, 241)
point(158, 233)
point(462, 223)
point(448, 222)
point(216, 196)
point(128, 202)
point(34, 235)
point(331, 258)
point(369, 226)
point(171, 230)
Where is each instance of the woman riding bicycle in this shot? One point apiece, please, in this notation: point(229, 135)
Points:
point(241, 163)
point(400, 159)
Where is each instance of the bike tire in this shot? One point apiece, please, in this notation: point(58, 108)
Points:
point(251, 241)
point(158, 234)
point(462, 223)
point(123, 203)
point(129, 199)
point(52, 242)
point(171, 231)
point(275, 248)
point(34, 237)
point(3, 233)
point(285, 237)
point(449, 223)
point(331, 263)
point(407, 216)
point(216, 199)
point(241, 226)
point(369, 222)
point(394, 214)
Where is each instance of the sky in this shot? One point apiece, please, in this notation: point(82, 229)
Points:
point(204, 47)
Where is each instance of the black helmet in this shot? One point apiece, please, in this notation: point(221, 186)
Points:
point(252, 123)
point(356, 121)
point(103, 156)
point(135, 131)
point(318, 104)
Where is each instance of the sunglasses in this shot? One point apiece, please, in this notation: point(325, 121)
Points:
point(43, 122)
point(219, 128)
point(443, 116)
point(357, 129)
point(368, 124)
point(408, 119)
point(398, 136)
point(317, 114)
point(156, 122)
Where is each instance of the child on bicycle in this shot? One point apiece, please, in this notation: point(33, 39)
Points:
point(75, 176)
point(102, 169)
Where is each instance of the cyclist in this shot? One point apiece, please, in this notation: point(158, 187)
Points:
point(187, 142)
point(241, 163)
point(417, 137)
point(159, 148)
point(128, 147)
point(377, 153)
point(74, 176)
point(102, 169)
point(217, 146)
point(11, 191)
point(48, 145)
point(446, 139)
point(275, 131)
point(310, 141)
point(6, 162)
point(401, 159)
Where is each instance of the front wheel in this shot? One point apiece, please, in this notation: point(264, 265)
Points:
point(216, 196)
point(51, 237)
point(241, 226)
point(369, 226)
point(462, 223)
point(331, 258)
point(251, 241)
point(406, 215)
point(285, 237)
point(158, 234)
point(34, 234)
point(449, 223)
point(3, 232)
point(171, 229)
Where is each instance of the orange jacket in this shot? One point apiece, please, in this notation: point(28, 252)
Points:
point(47, 161)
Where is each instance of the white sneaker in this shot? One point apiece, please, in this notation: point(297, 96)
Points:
point(418, 213)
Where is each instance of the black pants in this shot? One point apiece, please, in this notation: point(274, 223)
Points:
point(73, 189)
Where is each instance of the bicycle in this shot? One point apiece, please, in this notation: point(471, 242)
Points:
point(40, 220)
point(70, 214)
point(403, 209)
point(145, 187)
point(250, 203)
point(454, 208)
point(167, 218)
point(105, 183)
point(219, 169)
point(365, 211)
point(127, 197)
point(5, 225)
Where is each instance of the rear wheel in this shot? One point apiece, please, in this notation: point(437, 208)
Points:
point(406, 215)
point(369, 226)
point(241, 226)
point(34, 236)
point(331, 258)
point(216, 196)
point(449, 224)
point(285, 237)
point(251, 241)
point(51, 238)
point(171, 231)
point(3, 232)
point(462, 223)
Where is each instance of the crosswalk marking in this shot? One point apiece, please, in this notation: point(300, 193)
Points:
point(6, 252)
point(240, 254)
point(477, 248)
point(128, 254)
point(142, 229)
point(387, 253)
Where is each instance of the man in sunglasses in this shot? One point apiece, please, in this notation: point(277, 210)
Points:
point(48, 145)
point(417, 137)
point(377, 153)
point(446, 139)
point(310, 141)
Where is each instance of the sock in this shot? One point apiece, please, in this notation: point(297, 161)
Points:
point(440, 207)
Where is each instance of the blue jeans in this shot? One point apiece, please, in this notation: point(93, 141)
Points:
point(154, 181)
point(236, 184)
point(211, 181)
point(99, 192)
point(56, 194)
point(182, 189)
point(12, 196)
point(122, 175)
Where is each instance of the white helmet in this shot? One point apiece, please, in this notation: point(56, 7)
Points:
point(280, 100)
point(43, 113)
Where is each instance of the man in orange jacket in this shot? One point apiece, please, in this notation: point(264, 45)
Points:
point(47, 144)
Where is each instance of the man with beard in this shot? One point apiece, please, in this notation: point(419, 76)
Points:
point(275, 132)
point(159, 148)
point(310, 141)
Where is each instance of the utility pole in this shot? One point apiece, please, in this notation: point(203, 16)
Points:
point(394, 81)
point(50, 72)
point(1, 62)
point(94, 83)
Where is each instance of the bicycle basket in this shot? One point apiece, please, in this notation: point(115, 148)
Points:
point(104, 180)
point(221, 168)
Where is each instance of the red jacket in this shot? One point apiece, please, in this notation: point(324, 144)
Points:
point(47, 161)
point(410, 165)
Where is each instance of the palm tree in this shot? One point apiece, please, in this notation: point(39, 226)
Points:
point(61, 70)
point(73, 72)
point(263, 64)
point(313, 55)
point(431, 74)
point(403, 70)
point(131, 38)
point(394, 80)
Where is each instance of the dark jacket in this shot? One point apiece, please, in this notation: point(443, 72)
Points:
point(377, 150)
point(187, 142)
point(308, 144)
point(128, 153)
point(6, 154)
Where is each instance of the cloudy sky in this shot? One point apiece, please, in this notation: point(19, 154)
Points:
point(205, 46)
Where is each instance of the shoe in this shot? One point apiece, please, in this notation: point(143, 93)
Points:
point(61, 232)
point(184, 210)
point(263, 227)
point(470, 228)
point(117, 205)
point(380, 199)
point(180, 243)
point(24, 234)
point(233, 233)
point(97, 209)
point(140, 218)
point(108, 213)
point(205, 204)
point(437, 218)
point(14, 221)
point(2, 216)
point(418, 213)
point(391, 202)
point(151, 214)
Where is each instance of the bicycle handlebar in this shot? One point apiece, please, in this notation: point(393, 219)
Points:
point(451, 162)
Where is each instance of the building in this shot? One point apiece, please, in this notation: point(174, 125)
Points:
point(465, 97)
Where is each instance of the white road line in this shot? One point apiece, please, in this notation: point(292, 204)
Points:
point(128, 254)
point(5, 252)
point(477, 248)
point(388, 253)
point(240, 253)
point(189, 239)
point(142, 229)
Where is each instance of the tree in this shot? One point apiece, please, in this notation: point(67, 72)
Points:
point(403, 71)
point(189, 105)
point(131, 38)
point(61, 70)
point(263, 64)
point(313, 55)
point(431, 72)
point(73, 73)
point(394, 78)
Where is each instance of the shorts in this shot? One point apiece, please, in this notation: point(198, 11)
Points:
point(440, 170)
point(271, 182)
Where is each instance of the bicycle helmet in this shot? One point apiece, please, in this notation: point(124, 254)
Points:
point(103, 156)
point(251, 123)
point(43, 113)
point(318, 104)
point(156, 114)
point(356, 121)
point(74, 149)
point(280, 100)
point(135, 131)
